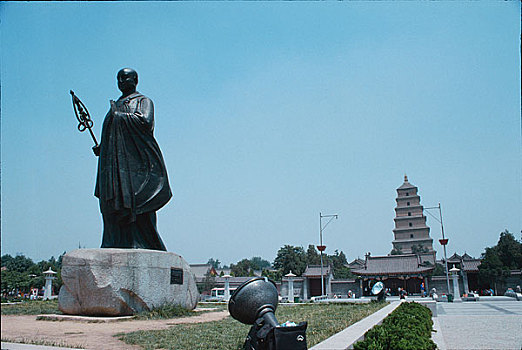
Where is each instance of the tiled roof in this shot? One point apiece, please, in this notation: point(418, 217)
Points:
point(392, 265)
point(471, 265)
point(315, 271)
point(356, 263)
point(233, 280)
point(467, 257)
point(454, 257)
point(406, 185)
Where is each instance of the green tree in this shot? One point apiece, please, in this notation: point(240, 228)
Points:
point(419, 249)
point(21, 273)
point(339, 262)
point(338, 258)
point(209, 282)
point(439, 270)
point(242, 268)
point(258, 263)
point(509, 250)
point(275, 275)
point(497, 261)
point(19, 263)
point(491, 270)
point(312, 256)
point(290, 258)
point(396, 251)
point(18, 273)
point(214, 262)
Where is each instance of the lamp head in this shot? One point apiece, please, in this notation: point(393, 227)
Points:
point(253, 299)
point(377, 288)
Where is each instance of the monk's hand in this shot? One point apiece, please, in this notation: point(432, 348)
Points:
point(113, 106)
point(96, 150)
point(115, 110)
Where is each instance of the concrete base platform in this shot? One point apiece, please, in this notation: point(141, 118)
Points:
point(17, 346)
point(345, 301)
point(86, 319)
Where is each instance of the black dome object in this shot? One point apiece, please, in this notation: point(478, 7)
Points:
point(377, 288)
point(253, 299)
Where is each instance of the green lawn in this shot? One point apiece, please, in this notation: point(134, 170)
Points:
point(32, 307)
point(37, 307)
point(229, 334)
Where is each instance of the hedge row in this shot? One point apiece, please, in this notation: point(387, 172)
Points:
point(408, 327)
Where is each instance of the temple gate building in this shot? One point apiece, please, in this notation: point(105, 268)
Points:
point(412, 258)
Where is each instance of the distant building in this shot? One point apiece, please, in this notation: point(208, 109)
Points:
point(356, 264)
point(412, 235)
point(308, 285)
point(202, 271)
point(468, 266)
point(412, 259)
point(312, 280)
point(404, 271)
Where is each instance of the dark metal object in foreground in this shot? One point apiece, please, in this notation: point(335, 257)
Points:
point(84, 118)
point(255, 303)
point(253, 299)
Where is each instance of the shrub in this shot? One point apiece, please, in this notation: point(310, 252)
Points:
point(409, 327)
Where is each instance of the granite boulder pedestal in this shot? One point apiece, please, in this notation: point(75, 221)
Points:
point(122, 282)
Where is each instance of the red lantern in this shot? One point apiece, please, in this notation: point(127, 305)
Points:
point(443, 241)
point(321, 248)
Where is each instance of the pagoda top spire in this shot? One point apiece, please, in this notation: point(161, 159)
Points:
point(406, 184)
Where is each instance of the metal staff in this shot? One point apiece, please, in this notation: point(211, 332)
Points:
point(83, 116)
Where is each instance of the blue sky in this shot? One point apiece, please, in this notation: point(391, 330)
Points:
point(267, 114)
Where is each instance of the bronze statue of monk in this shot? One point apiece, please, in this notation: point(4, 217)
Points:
point(132, 182)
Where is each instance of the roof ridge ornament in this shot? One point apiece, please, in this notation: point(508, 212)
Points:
point(405, 178)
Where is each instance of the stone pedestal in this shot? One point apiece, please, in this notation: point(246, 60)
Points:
point(120, 282)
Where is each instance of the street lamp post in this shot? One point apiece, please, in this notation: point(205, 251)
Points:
point(443, 241)
point(227, 287)
point(322, 247)
point(49, 277)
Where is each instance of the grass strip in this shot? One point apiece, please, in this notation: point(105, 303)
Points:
point(41, 307)
point(324, 320)
point(165, 311)
point(60, 344)
point(32, 307)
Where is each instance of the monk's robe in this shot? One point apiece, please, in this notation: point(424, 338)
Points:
point(132, 182)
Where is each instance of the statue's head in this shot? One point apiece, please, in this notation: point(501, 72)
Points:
point(127, 80)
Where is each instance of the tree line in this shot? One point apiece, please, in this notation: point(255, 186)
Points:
point(289, 258)
point(498, 261)
point(19, 273)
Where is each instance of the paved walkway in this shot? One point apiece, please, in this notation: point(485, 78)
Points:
point(16, 346)
point(492, 324)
